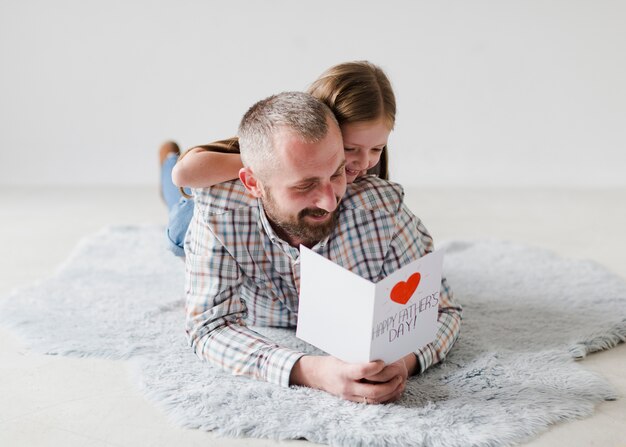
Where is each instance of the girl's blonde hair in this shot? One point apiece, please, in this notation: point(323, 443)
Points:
point(355, 92)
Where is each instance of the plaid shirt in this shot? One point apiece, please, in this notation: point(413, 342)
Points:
point(240, 273)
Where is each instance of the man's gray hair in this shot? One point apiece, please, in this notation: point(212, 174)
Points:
point(297, 112)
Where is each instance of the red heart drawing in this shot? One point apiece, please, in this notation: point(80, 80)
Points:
point(403, 291)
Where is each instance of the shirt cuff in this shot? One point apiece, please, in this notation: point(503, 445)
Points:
point(279, 365)
point(425, 358)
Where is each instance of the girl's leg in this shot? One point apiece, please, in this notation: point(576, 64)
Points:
point(169, 191)
point(179, 220)
point(180, 208)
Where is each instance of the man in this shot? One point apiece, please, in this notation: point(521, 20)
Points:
point(242, 257)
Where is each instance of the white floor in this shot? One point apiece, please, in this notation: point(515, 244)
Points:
point(51, 401)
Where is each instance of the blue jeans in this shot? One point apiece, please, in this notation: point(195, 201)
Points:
point(180, 208)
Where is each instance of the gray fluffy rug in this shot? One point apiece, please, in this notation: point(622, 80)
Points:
point(527, 315)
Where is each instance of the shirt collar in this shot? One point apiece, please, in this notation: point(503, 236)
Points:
point(284, 245)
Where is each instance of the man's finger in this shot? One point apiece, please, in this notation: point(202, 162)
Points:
point(374, 392)
point(358, 371)
point(390, 371)
point(387, 374)
point(394, 394)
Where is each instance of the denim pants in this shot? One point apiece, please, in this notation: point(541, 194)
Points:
point(180, 208)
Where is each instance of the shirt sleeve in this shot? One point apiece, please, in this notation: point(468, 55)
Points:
point(215, 313)
point(412, 241)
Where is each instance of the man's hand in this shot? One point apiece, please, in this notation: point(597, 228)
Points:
point(389, 372)
point(369, 383)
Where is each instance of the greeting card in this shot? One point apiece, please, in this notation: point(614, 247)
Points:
point(357, 320)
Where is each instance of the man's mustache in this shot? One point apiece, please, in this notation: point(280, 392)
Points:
point(316, 212)
point(313, 212)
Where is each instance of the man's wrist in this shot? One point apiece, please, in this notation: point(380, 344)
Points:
point(412, 364)
point(302, 372)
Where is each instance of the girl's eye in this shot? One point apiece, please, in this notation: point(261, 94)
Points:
point(377, 149)
point(348, 149)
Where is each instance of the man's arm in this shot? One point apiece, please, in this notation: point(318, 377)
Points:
point(411, 242)
point(449, 329)
point(216, 314)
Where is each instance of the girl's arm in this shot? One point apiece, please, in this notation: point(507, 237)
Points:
point(200, 168)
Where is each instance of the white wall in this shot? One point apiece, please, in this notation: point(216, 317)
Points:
point(489, 92)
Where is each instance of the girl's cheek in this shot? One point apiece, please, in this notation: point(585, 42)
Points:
point(373, 161)
point(350, 158)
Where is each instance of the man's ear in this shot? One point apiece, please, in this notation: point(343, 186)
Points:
point(251, 182)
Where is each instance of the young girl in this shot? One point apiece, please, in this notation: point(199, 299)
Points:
point(360, 96)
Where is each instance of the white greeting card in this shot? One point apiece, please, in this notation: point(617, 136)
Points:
point(357, 320)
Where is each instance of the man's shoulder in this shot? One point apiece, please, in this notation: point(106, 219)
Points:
point(223, 198)
point(373, 193)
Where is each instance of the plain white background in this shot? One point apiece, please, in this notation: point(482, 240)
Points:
point(490, 93)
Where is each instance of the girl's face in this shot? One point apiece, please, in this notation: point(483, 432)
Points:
point(363, 142)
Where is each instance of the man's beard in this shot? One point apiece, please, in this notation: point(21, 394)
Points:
point(297, 227)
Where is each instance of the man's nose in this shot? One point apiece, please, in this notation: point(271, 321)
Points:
point(327, 200)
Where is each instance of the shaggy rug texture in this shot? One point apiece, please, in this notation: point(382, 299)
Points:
point(527, 315)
